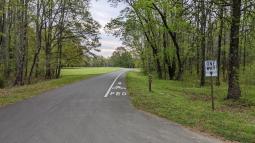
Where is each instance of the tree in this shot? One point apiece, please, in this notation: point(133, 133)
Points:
point(122, 58)
point(181, 35)
point(29, 26)
point(234, 91)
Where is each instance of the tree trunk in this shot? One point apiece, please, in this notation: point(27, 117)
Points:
point(48, 60)
point(219, 44)
point(21, 45)
point(48, 43)
point(174, 39)
point(203, 45)
point(172, 69)
point(60, 37)
point(39, 26)
point(157, 60)
point(234, 91)
point(4, 40)
point(244, 51)
point(197, 19)
point(25, 38)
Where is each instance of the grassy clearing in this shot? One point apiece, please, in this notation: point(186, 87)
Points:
point(69, 75)
point(190, 105)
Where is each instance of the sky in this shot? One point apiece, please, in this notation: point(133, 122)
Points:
point(103, 12)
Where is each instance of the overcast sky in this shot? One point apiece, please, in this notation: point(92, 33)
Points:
point(102, 12)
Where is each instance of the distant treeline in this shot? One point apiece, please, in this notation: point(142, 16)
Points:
point(121, 57)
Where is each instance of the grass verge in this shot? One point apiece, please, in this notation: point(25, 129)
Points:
point(69, 75)
point(189, 105)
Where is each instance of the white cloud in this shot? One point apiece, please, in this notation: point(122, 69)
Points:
point(111, 43)
point(102, 12)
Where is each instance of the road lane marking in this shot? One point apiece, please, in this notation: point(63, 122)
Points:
point(118, 93)
point(119, 87)
point(108, 91)
point(124, 93)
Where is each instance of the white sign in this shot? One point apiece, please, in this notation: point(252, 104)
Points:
point(211, 68)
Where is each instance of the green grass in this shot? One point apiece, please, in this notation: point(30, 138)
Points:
point(69, 75)
point(190, 105)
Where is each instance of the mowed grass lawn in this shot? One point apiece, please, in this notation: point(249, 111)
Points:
point(190, 105)
point(69, 75)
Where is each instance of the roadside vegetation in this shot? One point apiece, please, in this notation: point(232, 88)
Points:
point(172, 40)
point(186, 103)
point(69, 75)
point(172, 37)
point(38, 38)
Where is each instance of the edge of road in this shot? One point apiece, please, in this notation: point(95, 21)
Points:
point(193, 131)
point(123, 72)
point(197, 133)
point(61, 86)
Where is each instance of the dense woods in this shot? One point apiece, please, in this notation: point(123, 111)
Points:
point(174, 38)
point(38, 37)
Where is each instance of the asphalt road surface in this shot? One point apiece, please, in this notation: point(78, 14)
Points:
point(95, 110)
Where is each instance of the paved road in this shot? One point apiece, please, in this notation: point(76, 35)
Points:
point(83, 113)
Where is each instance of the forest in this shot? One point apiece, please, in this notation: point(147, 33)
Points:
point(38, 38)
point(174, 38)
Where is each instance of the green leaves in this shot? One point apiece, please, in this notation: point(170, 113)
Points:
point(122, 58)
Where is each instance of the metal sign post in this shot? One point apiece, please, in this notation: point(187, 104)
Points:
point(212, 92)
point(211, 70)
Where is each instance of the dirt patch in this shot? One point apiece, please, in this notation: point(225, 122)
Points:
point(198, 97)
point(237, 106)
point(210, 135)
